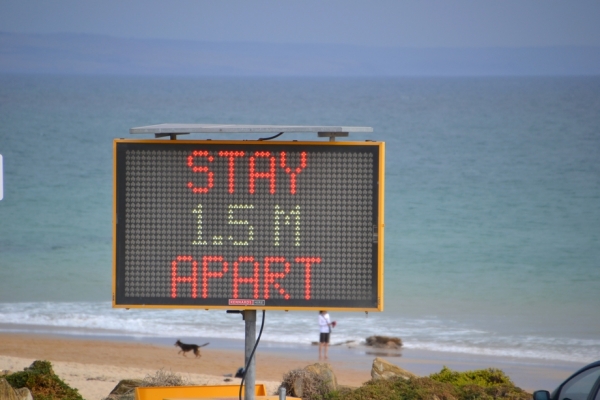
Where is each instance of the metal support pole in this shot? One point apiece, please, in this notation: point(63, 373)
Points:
point(250, 380)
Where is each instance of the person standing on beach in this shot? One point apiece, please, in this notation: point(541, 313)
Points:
point(325, 326)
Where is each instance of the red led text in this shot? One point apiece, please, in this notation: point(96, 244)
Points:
point(262, 165)
point(274, 269)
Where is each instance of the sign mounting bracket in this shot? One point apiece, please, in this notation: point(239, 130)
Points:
point(173, 136)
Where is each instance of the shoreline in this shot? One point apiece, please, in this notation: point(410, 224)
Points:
point(123, 356)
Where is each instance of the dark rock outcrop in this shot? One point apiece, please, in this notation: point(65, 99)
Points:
point(384, 342)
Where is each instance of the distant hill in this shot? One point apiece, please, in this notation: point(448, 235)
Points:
point(97, 54)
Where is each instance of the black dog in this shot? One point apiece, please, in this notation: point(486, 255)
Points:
point(189, 347)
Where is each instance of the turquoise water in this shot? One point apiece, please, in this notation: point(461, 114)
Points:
point(492, 203)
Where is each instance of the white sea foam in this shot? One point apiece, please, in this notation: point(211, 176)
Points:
point(100, 319)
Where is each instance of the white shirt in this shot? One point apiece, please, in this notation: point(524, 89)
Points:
point(324, 322)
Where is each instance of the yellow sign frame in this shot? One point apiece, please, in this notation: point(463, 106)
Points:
point(380, 219)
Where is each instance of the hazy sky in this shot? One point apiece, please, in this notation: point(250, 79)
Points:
point(413, 23)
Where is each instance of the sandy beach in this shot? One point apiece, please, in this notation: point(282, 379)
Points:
point(94, 366)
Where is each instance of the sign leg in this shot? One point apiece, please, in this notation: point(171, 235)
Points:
point(250, 335)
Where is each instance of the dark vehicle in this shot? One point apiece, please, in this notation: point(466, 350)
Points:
point(582, 385)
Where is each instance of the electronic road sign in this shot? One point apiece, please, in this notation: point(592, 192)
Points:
point(248, 224)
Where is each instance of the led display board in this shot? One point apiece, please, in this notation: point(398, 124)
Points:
point(248, 224)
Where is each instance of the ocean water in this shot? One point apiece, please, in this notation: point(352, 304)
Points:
point(492, 209)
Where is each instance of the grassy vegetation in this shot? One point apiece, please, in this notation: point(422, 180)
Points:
point(483, 384)
point(43, 383)
point(483, 377)
point(486, 384)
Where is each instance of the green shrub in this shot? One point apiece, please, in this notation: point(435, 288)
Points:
point(481, 384)
point(400, 389)
point(481, 377)
point(504, 392)
point(312, 385)
point(43, 383)
point(490, 384)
